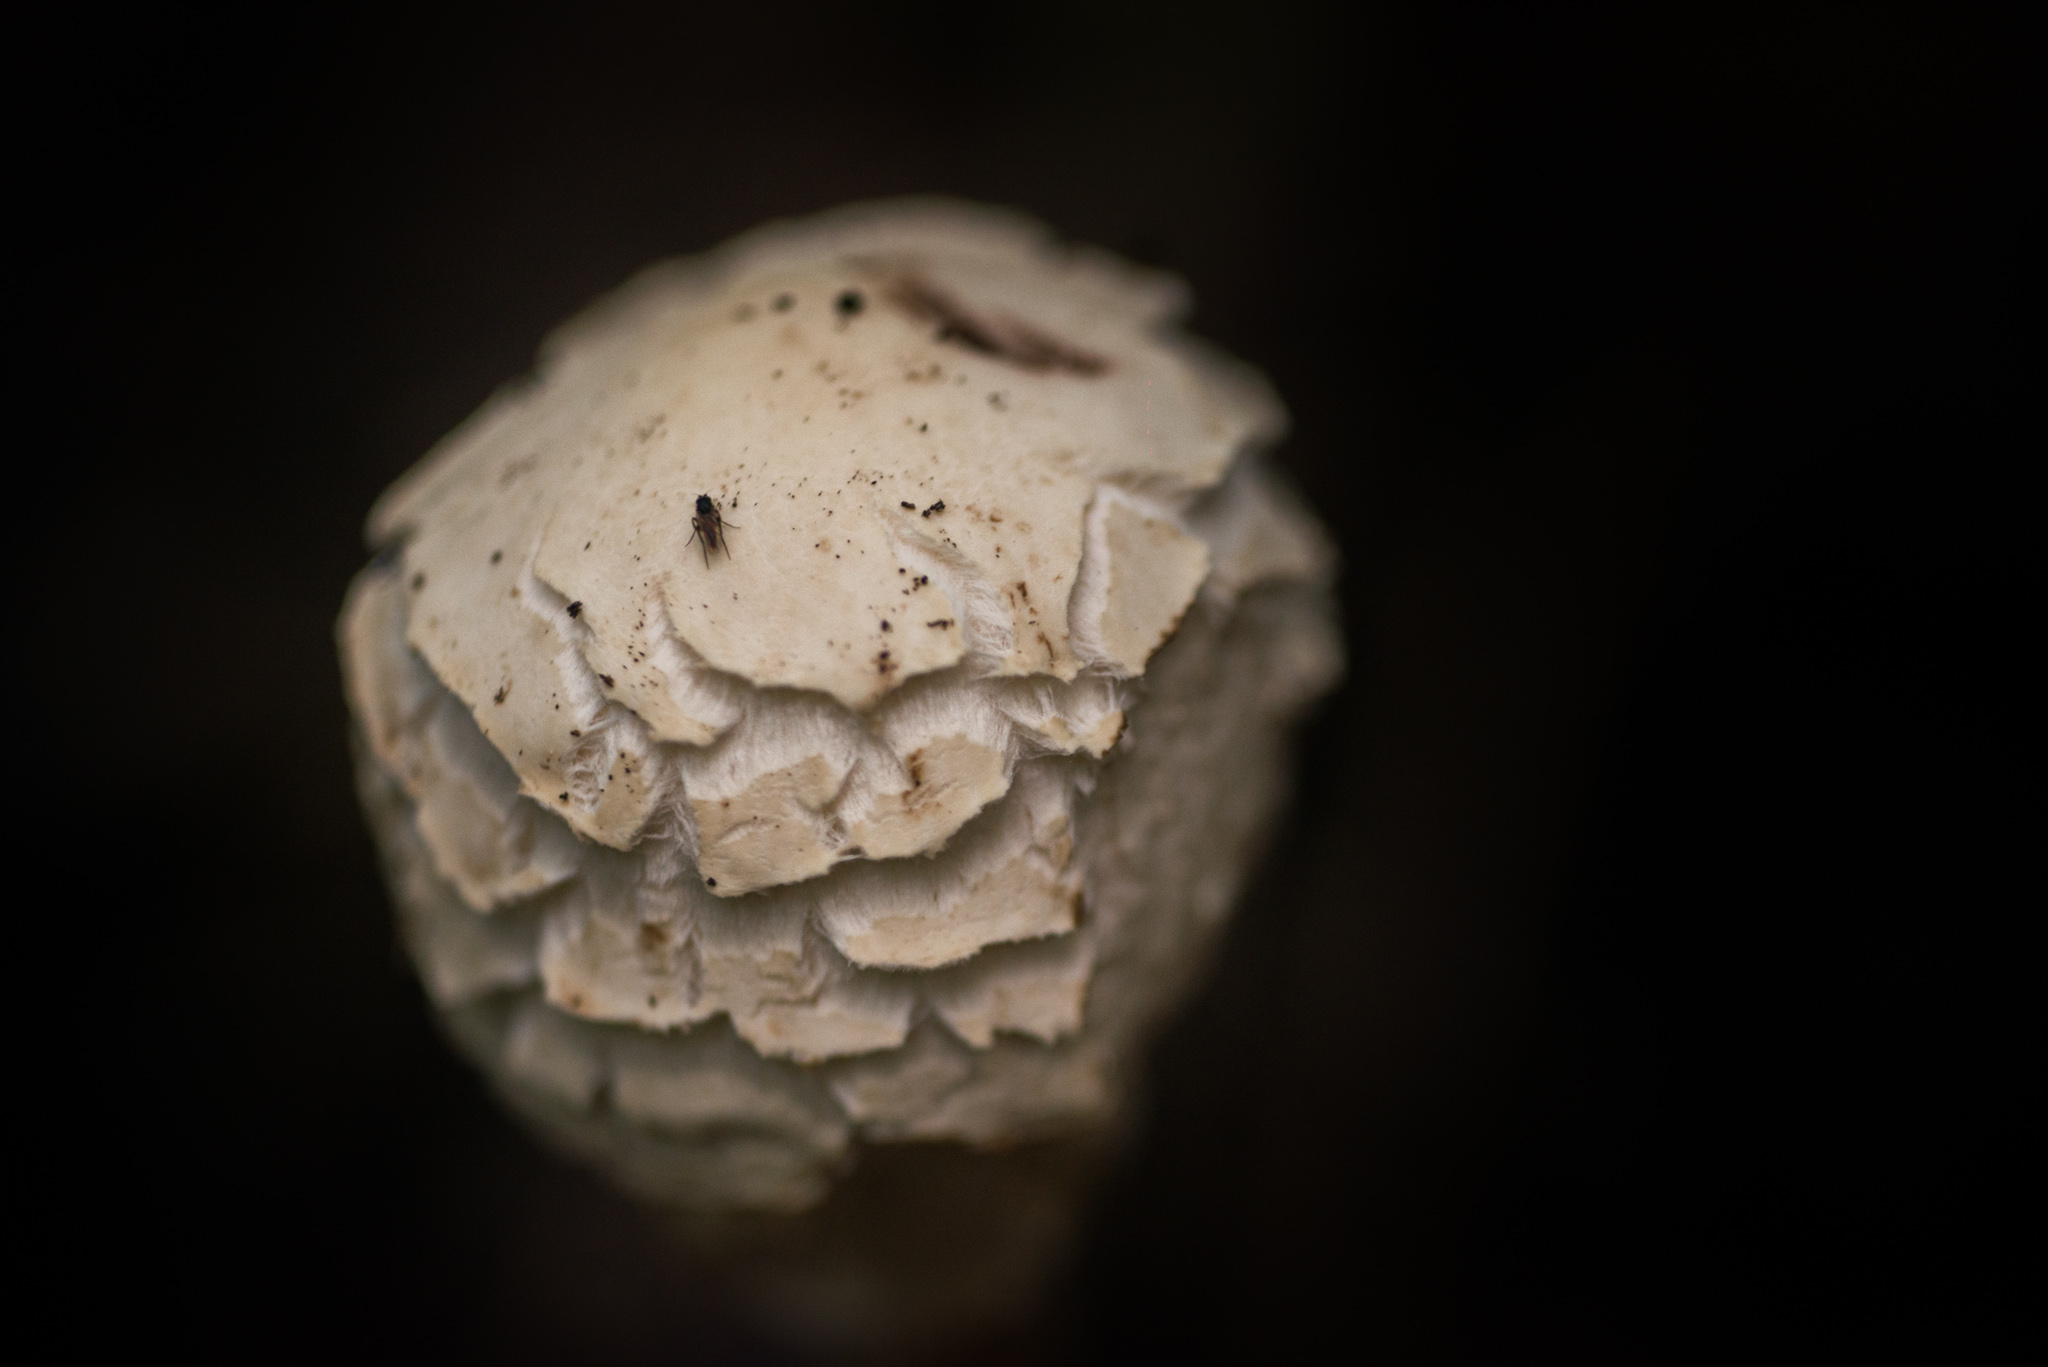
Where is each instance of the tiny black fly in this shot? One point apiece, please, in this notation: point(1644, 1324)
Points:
point(709, 526)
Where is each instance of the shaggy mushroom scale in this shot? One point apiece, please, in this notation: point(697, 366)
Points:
point(903, 807)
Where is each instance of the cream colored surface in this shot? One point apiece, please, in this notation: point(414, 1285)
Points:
point(876, 822)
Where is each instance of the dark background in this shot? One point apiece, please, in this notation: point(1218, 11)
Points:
point(1596, 1003)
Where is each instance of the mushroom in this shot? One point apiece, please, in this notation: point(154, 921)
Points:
point(837, 700)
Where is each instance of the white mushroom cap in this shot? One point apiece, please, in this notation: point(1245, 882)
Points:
point(869, 804)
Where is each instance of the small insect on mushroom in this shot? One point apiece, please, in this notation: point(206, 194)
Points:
point(709, 526)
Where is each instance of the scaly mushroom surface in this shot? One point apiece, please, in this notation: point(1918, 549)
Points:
point(837, 699)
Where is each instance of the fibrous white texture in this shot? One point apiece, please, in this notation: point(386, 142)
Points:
point(902, 808)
